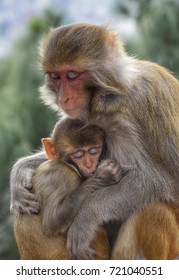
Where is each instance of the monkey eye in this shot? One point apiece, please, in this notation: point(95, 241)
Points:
point(78, 154)
point(72, 75)
point(94, 150)
point(54, 76)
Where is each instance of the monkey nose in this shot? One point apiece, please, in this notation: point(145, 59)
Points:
point(65, 100)
point(88, 165)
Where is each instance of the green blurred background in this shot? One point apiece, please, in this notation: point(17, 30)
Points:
point(24, 120)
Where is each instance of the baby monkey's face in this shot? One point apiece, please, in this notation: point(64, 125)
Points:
point(87, 159)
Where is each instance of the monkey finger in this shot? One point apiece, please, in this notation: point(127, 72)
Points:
point(31, 197)
point(28, 210)
point(104, 163)
point(113, 164)
point(27, 185)
point(72, 249)
point(77, 248)
point(82, 254)
point(33, 207)
point(24, 208)
point(72, 243)
point(89, 254)
point(86, 255)
point(29, 207)
point(27, 182)
point(22, 193)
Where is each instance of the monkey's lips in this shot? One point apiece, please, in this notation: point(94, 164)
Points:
point(90, 174)
point(71, 112)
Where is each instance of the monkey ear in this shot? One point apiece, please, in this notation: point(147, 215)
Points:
point(49, 148)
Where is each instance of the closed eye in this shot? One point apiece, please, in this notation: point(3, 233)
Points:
point(77, 154)
point(54, 76)
point(94, 150)
point(72, 75)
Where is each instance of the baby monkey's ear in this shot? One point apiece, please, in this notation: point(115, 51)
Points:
point(49, 148)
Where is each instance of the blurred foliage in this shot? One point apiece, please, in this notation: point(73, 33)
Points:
point(158, 25)
point(24, 120)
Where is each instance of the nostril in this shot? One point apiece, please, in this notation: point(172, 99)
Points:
point(66, 100)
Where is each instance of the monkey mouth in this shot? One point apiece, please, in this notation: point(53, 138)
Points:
point(89, 174)
point(71, 112)
point(77, 112)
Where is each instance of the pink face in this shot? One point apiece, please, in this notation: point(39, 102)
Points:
point(69, 84)
point(87, 159)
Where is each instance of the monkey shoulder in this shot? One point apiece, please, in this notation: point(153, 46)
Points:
point(156, 77)
point(155, 91)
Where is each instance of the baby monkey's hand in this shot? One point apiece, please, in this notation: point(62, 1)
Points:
point(108, 172)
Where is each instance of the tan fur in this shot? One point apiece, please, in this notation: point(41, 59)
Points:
point(35, 234)
point(33, 244)
point(70, 135)
point(152, 233)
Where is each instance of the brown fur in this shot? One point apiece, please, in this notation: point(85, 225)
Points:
point(38, 246)
point(69, 135)
point(151, 233)
point(35, 235)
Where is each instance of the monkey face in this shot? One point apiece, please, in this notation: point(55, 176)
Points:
point(68, 86)
point(87, 160)
point(68, 55)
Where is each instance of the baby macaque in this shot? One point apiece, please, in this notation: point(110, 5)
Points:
point(79, 149)
point(78, 145)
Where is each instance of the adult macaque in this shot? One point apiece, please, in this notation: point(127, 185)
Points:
point(71, 142)
point(89, 76)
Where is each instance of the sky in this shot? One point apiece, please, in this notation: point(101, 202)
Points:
point(15, 14)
